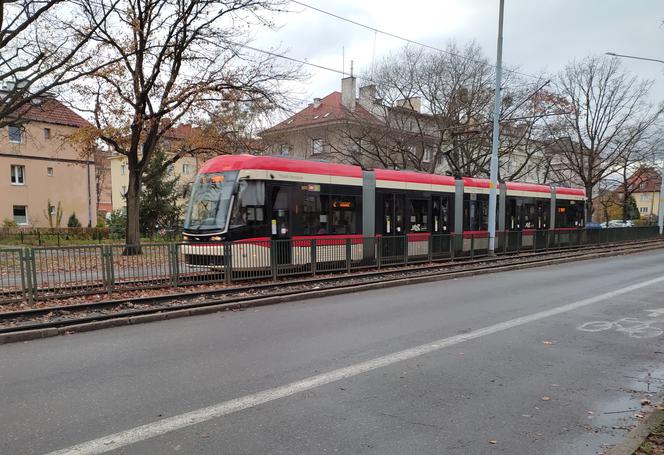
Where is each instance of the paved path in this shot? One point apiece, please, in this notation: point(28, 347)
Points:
point(435, 368)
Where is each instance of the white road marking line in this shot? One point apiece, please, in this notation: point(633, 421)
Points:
point(160, 427)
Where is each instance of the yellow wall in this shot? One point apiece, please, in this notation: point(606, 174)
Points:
point(72, 183)
point(120, 180)
point(648, 203)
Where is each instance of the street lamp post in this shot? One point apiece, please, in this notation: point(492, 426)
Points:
point(660, 211)
point(493, 170)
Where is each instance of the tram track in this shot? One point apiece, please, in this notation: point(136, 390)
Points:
point(55, 320)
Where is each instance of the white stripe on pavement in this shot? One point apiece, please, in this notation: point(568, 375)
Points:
point(160, 427)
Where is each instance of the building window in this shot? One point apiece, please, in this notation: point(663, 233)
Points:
point(47, 133)
point(18, 175)
point(123, 169)
point(123, 191)
point(171, 168)
point(285, 149)
point(21, 214)
point(426, 157)
point(51, 209)
point(15, 134)
point(645, 197)
point(49, 171)
point(316, 146)
point(644, 209)
point(187, 169)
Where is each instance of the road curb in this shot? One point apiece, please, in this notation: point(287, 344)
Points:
point(638, 434)
point(28, 335)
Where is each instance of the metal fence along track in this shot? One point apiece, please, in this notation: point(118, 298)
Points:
point(40, 273)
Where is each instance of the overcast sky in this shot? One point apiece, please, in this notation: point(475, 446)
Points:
point(539, 35)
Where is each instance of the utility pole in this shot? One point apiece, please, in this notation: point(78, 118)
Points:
point(493, 175)
point(660, 211)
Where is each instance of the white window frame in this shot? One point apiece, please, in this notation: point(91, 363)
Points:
point(123, 169)
point(9, 137)
point(316, 146)
point(26, 215)
point(427, 155)
point(47, 133)
point(15, 175)
point(49, 171)
point(187, 169)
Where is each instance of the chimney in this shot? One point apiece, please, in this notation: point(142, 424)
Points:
point(317, 103)
point(348, 89)
point(368, 95)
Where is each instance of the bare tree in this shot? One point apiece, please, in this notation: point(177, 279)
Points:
point(608, 120)
point(175, 57)
point(432, 112)
point(44, 45)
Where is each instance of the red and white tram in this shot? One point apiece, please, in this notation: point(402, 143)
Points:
point(252, 200)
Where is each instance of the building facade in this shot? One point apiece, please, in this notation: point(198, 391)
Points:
point(646, 194)
point(356, 127)
point(185, 168)
point(45, 170)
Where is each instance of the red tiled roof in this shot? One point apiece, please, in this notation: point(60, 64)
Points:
point(329, 110)
point(646, 180)
point(180, 132)
point(52, 111)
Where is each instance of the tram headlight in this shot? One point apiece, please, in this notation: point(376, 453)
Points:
point(185, 238)
point(215, 238)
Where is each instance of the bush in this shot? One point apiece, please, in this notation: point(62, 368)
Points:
point(73, 221)
point(117, 223)
point(9, 223)
point(101, 221)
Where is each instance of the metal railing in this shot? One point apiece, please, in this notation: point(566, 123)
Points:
point(38, 273)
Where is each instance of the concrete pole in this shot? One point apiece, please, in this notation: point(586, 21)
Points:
point(493, 176)
point(660, 213)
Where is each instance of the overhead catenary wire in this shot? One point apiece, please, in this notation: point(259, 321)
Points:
point(403, 38)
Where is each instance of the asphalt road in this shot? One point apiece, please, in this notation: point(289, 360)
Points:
point(515, 358)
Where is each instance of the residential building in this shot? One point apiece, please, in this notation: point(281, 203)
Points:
point(354, 127)
point(43, 168)
point(185, 168)
point(646, 194)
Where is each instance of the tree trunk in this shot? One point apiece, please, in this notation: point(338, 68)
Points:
point(589, 203)
point(133, 234)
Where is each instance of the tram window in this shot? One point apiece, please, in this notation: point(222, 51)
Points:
point(343, 214)
point(419, 215)
point(530, 216)
point(248, 208)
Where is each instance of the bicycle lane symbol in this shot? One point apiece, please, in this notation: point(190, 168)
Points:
point(632, 327)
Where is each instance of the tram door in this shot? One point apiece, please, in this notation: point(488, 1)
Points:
point(394, 235)
point(280, 223)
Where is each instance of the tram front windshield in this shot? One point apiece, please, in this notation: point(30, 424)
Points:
point(210, 202)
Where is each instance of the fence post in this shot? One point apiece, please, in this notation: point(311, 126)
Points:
point(110, 268)
point(228, 262)
point(348, 255)
point(314, 260)
point(26, 275)
point(379, 255)
point(30, 274)
point(430, 248)
point(405, 249)
point(173, 262)
point(273, 259)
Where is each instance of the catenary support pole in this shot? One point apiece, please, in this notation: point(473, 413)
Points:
point(496, 133)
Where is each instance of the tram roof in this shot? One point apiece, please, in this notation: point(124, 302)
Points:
point(225, 163)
